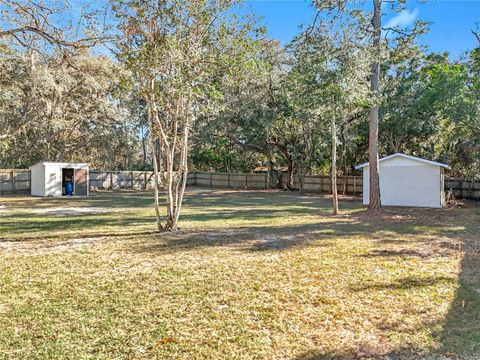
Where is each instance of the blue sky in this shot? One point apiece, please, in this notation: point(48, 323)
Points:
point(450, 30)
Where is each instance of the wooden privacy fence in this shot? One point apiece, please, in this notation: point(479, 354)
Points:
point(311, 183)
point(136, 180)
point(14, 180)
point(232, 180)
point(321, 183)
point(463, 188)
point(18, 181)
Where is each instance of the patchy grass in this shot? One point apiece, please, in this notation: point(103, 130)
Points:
point(252, 275)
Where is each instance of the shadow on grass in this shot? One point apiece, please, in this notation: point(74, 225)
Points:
point(363, 352)
point(460, 337)
point(203, 207)
point(461, 332)
point(407, 283)
point(284, 236)
point(53, 227)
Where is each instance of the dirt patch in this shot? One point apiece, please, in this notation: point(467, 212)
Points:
point(45, 246)
point(71, 211)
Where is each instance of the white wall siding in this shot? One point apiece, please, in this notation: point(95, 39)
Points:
point(37, 180)
point(411, 186)
point(406, 182)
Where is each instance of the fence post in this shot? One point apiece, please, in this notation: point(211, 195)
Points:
point(131, 179)
point(354, 185)
point(111, 180)
point(211, 180)
point(266, 181)
point(12, 179)
point(228, 180)
point(246, 181)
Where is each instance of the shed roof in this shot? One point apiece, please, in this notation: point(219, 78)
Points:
point(407, 157)
point(62, 164)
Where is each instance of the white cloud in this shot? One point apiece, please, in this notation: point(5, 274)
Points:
point(404, 19)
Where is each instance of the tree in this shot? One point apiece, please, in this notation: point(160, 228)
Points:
point(402, 41)
point(54, 111)
point(180, 52)
point(239, 135)
point(330, 77)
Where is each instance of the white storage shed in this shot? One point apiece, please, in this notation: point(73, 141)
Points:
point(407, 181)
point(51, 178)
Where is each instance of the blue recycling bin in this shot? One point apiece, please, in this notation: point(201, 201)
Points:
point(69, 188)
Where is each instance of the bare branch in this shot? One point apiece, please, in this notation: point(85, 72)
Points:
point(79, 44)
point(477, 36)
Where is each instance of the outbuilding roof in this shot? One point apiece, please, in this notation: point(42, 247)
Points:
point(407, 157)
point(63, 164)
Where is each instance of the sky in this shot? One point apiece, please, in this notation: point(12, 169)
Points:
point(452, 20)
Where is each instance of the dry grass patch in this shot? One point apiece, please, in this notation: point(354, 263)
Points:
point(252, 275)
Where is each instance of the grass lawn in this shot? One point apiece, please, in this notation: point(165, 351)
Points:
point(251, 275)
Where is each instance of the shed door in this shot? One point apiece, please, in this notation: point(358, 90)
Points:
point(80, 181)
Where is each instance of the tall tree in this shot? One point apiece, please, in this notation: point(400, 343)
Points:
point(180, 51)
point(374, 179)
point(330, 78)
point(404, 39)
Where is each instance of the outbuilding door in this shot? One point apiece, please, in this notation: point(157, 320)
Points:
point(81, 182)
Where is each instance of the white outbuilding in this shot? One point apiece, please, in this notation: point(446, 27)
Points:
point(57, 178)
point(407, 181)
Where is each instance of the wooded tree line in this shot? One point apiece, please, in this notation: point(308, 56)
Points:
point(59, 101)
point(51, 110)
point(429, 106)
point(199, 85)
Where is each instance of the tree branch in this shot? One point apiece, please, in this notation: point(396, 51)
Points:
point(79, 44)
point(477, 36)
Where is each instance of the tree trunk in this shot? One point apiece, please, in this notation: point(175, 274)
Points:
point(333, 174)
point(144, 153)
point(374, 182)
point(344, 159)
point(183, 176)
point(300, 174)
point(270, 169)
point(169, 182)
point(156, 185)
point(289, 174)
